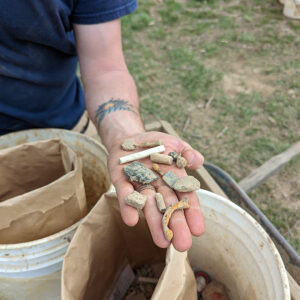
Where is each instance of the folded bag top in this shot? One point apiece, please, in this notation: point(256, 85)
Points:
point(41, 190)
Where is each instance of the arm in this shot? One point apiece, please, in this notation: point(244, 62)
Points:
point(105, 76)
point(106, 79)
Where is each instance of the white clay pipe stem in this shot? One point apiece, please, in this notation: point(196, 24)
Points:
point(141, 154)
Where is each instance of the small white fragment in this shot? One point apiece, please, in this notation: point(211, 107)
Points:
point(135, 199)
point(201, 283)
point(160, 202)
point(141, 154)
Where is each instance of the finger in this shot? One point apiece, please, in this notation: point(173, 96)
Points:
point(194, 216)
point(154, 219)
point(181, 233)
point(129, 214)
point(194, 158)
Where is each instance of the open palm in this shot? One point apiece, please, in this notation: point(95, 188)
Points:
point(183, 223)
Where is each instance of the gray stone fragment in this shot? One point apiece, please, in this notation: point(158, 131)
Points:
point(137, 200)
point(170, 178)
point(138, 172)
point(181, 162)
point(128, 145)
point(173, 155)
point(186, 184)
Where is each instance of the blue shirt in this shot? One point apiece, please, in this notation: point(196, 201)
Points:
point(38, 61)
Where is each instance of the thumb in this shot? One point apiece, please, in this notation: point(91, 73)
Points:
point(194, 159)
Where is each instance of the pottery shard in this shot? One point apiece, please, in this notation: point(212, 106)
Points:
point(186, 184)
point(138, 172)
point(128, 145)
point(137, 200)
point(170, 178)
point(181, 162)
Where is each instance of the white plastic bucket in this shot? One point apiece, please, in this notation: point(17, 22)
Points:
point(236, 251)
point(33, 270)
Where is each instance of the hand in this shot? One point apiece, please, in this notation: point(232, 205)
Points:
point(183, 223)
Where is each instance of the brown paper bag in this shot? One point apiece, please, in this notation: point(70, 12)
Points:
point(102, 247)
point(41, 190)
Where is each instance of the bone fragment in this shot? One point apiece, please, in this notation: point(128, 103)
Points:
point(128, 145)
point(150, 144)
point(181, 162)
point(161, 158)
point(160, 202)
point(141, 154)
point(157, 169)
point(137, 200)
point(170, 178)
point(186, 184)
point(138, 172)
point(184, 203)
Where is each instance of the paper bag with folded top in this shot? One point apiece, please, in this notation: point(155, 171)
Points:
point(102, 247)
point(41, 190)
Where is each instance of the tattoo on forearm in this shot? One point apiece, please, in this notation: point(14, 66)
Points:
point(111, 106)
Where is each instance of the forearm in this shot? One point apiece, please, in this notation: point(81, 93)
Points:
point(105, 80)
point(112, 104)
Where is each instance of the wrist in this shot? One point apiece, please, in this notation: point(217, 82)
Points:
point(119, 126)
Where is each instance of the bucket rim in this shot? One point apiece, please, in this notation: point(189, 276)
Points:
point(58, 131)
point(39, 135)
point(38, 242)
point(279, 261)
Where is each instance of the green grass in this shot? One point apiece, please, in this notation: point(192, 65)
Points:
point(181, 52)
point(284, 218)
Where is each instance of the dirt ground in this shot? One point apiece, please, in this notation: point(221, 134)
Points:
point(225, 74)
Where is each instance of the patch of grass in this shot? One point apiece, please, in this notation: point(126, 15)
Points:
point(211, 49)
point(226, 23)
point(194, 76)
point(294, 25)
point(243, 107)
point(238, 8)
point(282, 217)
point(284, 66)
point(202, 14)
point(158, 33)
point(246, 38)
point(251, 131)
point(151, 106)
point(178, 52)
point(285, 219)
point(171, 12)
point(201, 28)
point(137, 21)
point(261, 149)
